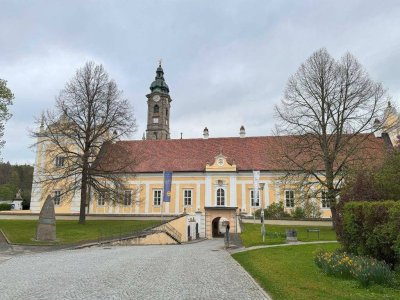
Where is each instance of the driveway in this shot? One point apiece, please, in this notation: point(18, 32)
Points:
point(193, 271)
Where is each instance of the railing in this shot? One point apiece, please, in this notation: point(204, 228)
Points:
point(121, 232)
point(171, 231)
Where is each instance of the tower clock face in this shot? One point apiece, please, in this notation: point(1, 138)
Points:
point(156, 98)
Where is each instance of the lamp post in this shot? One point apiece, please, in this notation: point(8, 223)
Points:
point(262, 214)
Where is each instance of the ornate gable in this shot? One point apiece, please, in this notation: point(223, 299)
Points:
point(221, 165)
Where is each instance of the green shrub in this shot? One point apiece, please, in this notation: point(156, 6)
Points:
point(372, 229)
point(277, 211)
point(5, 206)
point(364, 269)
point(298, 213)
point(274, 211)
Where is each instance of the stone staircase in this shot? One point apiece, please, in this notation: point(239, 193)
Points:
point(169, 230)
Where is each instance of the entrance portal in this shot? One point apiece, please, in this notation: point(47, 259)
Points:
point(217, 218)
point(215, 228)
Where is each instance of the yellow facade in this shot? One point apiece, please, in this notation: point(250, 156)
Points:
point(203, 188)
point(237, 188)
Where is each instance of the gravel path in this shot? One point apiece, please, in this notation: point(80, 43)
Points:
point(192, 271)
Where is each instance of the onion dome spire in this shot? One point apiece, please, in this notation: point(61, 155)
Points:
point(159, 84)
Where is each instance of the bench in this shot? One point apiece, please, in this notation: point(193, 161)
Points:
point(313, 230)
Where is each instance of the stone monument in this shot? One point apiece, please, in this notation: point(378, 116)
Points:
point(46, 229)
point(17, 202)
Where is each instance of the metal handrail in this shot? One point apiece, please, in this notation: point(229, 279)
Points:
point(105, 234)
point(172, 231)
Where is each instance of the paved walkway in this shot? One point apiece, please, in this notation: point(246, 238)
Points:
point(279, 245)
point(326, 223)
point(193, 271)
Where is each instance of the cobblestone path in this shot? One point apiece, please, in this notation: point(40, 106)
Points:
point(192, 271)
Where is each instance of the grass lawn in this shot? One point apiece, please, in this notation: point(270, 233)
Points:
point(251, 236)
point(290, 273)
point(23, 231)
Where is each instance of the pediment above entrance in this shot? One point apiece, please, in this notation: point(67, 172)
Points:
point(221, 165)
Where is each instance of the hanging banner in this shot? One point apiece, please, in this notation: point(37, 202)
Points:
point(256, 181)
point(167, 186)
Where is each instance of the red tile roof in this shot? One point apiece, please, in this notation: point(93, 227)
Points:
point(192, 155)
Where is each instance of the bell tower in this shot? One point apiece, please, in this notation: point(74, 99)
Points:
point(158, 108)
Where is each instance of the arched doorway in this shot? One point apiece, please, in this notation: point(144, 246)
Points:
point(215, 228)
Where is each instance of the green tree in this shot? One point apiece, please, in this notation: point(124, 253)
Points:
point(6, 97)
point(7, 192)
point(387, 178)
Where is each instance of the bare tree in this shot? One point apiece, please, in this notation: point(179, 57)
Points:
point(328, 109)
point(90, 111)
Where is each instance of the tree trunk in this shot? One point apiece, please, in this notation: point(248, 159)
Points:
point(82, 212)
point(334, 215)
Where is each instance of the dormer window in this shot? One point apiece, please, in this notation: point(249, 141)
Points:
point(156, 109)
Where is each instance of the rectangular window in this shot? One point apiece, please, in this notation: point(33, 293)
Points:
point(187, 197)
point(128, 198)
point(57, 197)
point(60, 161)
point(157, 197)
point(289, 198)
point(155, 120)
point(255, 202)
point(324, 200)
point(101, 197)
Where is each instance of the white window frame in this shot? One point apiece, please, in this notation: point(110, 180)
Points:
point(221, 198)
point(291, 199)
point(60, 161)
point(324, 201)
point(157, 199)
point(155, 120)
point(129, 202)
point(187, 197)
point(101, 198)
point(252, 191)
point(57, 197)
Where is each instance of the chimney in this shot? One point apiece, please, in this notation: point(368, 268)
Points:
point(205, 133)
point(378, 128)
point(114, 136)
point(242, 132)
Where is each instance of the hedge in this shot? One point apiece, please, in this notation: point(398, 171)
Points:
point(373, 229)
point(5, 206)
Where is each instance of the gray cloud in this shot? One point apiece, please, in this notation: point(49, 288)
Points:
point(226, 62)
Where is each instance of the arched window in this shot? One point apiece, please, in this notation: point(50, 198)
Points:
point(155, 135)
point(156, 109)
point(220, 197)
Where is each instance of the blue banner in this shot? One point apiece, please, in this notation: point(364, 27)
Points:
point(167, 186)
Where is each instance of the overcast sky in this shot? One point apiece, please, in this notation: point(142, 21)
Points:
point(226, 62)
